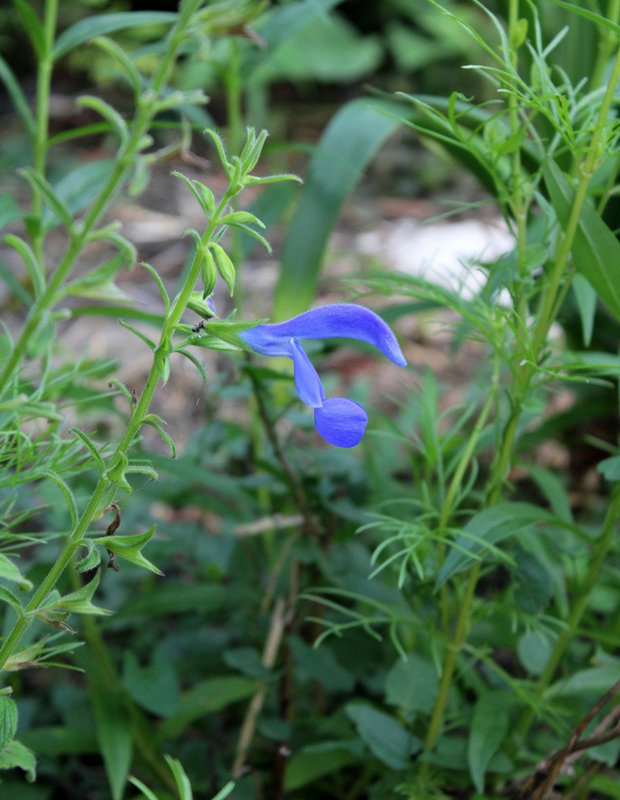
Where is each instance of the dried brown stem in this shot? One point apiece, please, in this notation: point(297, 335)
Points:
point(539, 785)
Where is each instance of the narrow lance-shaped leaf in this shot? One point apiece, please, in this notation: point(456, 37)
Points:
point(595, 249)
point(100, 24)
point(489, 727)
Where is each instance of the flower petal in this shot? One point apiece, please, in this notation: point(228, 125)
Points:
point(339, 319)
point(341, 421)
point(307, 381)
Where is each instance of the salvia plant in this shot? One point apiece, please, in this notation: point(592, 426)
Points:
point(413, 604)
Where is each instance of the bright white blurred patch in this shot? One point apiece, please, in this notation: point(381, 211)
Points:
point(445, 253)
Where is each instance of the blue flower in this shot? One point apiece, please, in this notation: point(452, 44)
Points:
point(339, 420)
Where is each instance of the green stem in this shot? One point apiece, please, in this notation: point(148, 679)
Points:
point(460, 633)
point(606, 44)
point(80, 238)
point(140, 411)
point(586, 170)
point(601, 546)
point(455, 484)
point(44, 78)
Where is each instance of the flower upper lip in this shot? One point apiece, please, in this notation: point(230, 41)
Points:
point(342, 320)
point(340, 421)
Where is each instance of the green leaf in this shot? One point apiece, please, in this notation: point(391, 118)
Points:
point(35, 271)
point(157, 423)
point(184, 787)
point(384, 736)
point(350, 141)
point(129, 547)
point(311, 763)
point(8, 721)
point(49, 195)
point(160, 285)
point(412, 684)
point(14, 285)
point(205, 698)
point(79, 187)
point(114, 730)
point(320, 663)
point(108, 112)
point(80, 601)
point(123, 60)
point(595, 249)
point(534, 649)
point(591, 15)
point(585, 296)
point(116, 472)
point(91, 447)
point(9, 572)
point(9, 210)
point(244, 217)
point(16, 755)
point(155, 687)
point(489, 726)
point(484, 530)
point(609, 468)
point(6, 596)
point(17, 96)
point(32, 26)
point(162, 361)
point(100, 24)
point(147, 341)
point(66, 493)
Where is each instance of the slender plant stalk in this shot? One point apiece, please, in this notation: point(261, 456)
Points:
point(140, 411)
point(78, 239)
point(521, 381)
point(40, 144)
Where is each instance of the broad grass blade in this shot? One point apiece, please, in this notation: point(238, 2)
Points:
point(350, 141)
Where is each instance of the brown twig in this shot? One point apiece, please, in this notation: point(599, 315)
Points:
point(270, 651)
point(539, 785)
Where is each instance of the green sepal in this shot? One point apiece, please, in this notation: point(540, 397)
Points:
point(129, 547)
point(228, 331)
point(224, 266)
point(196, 303)
point(208, 271)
